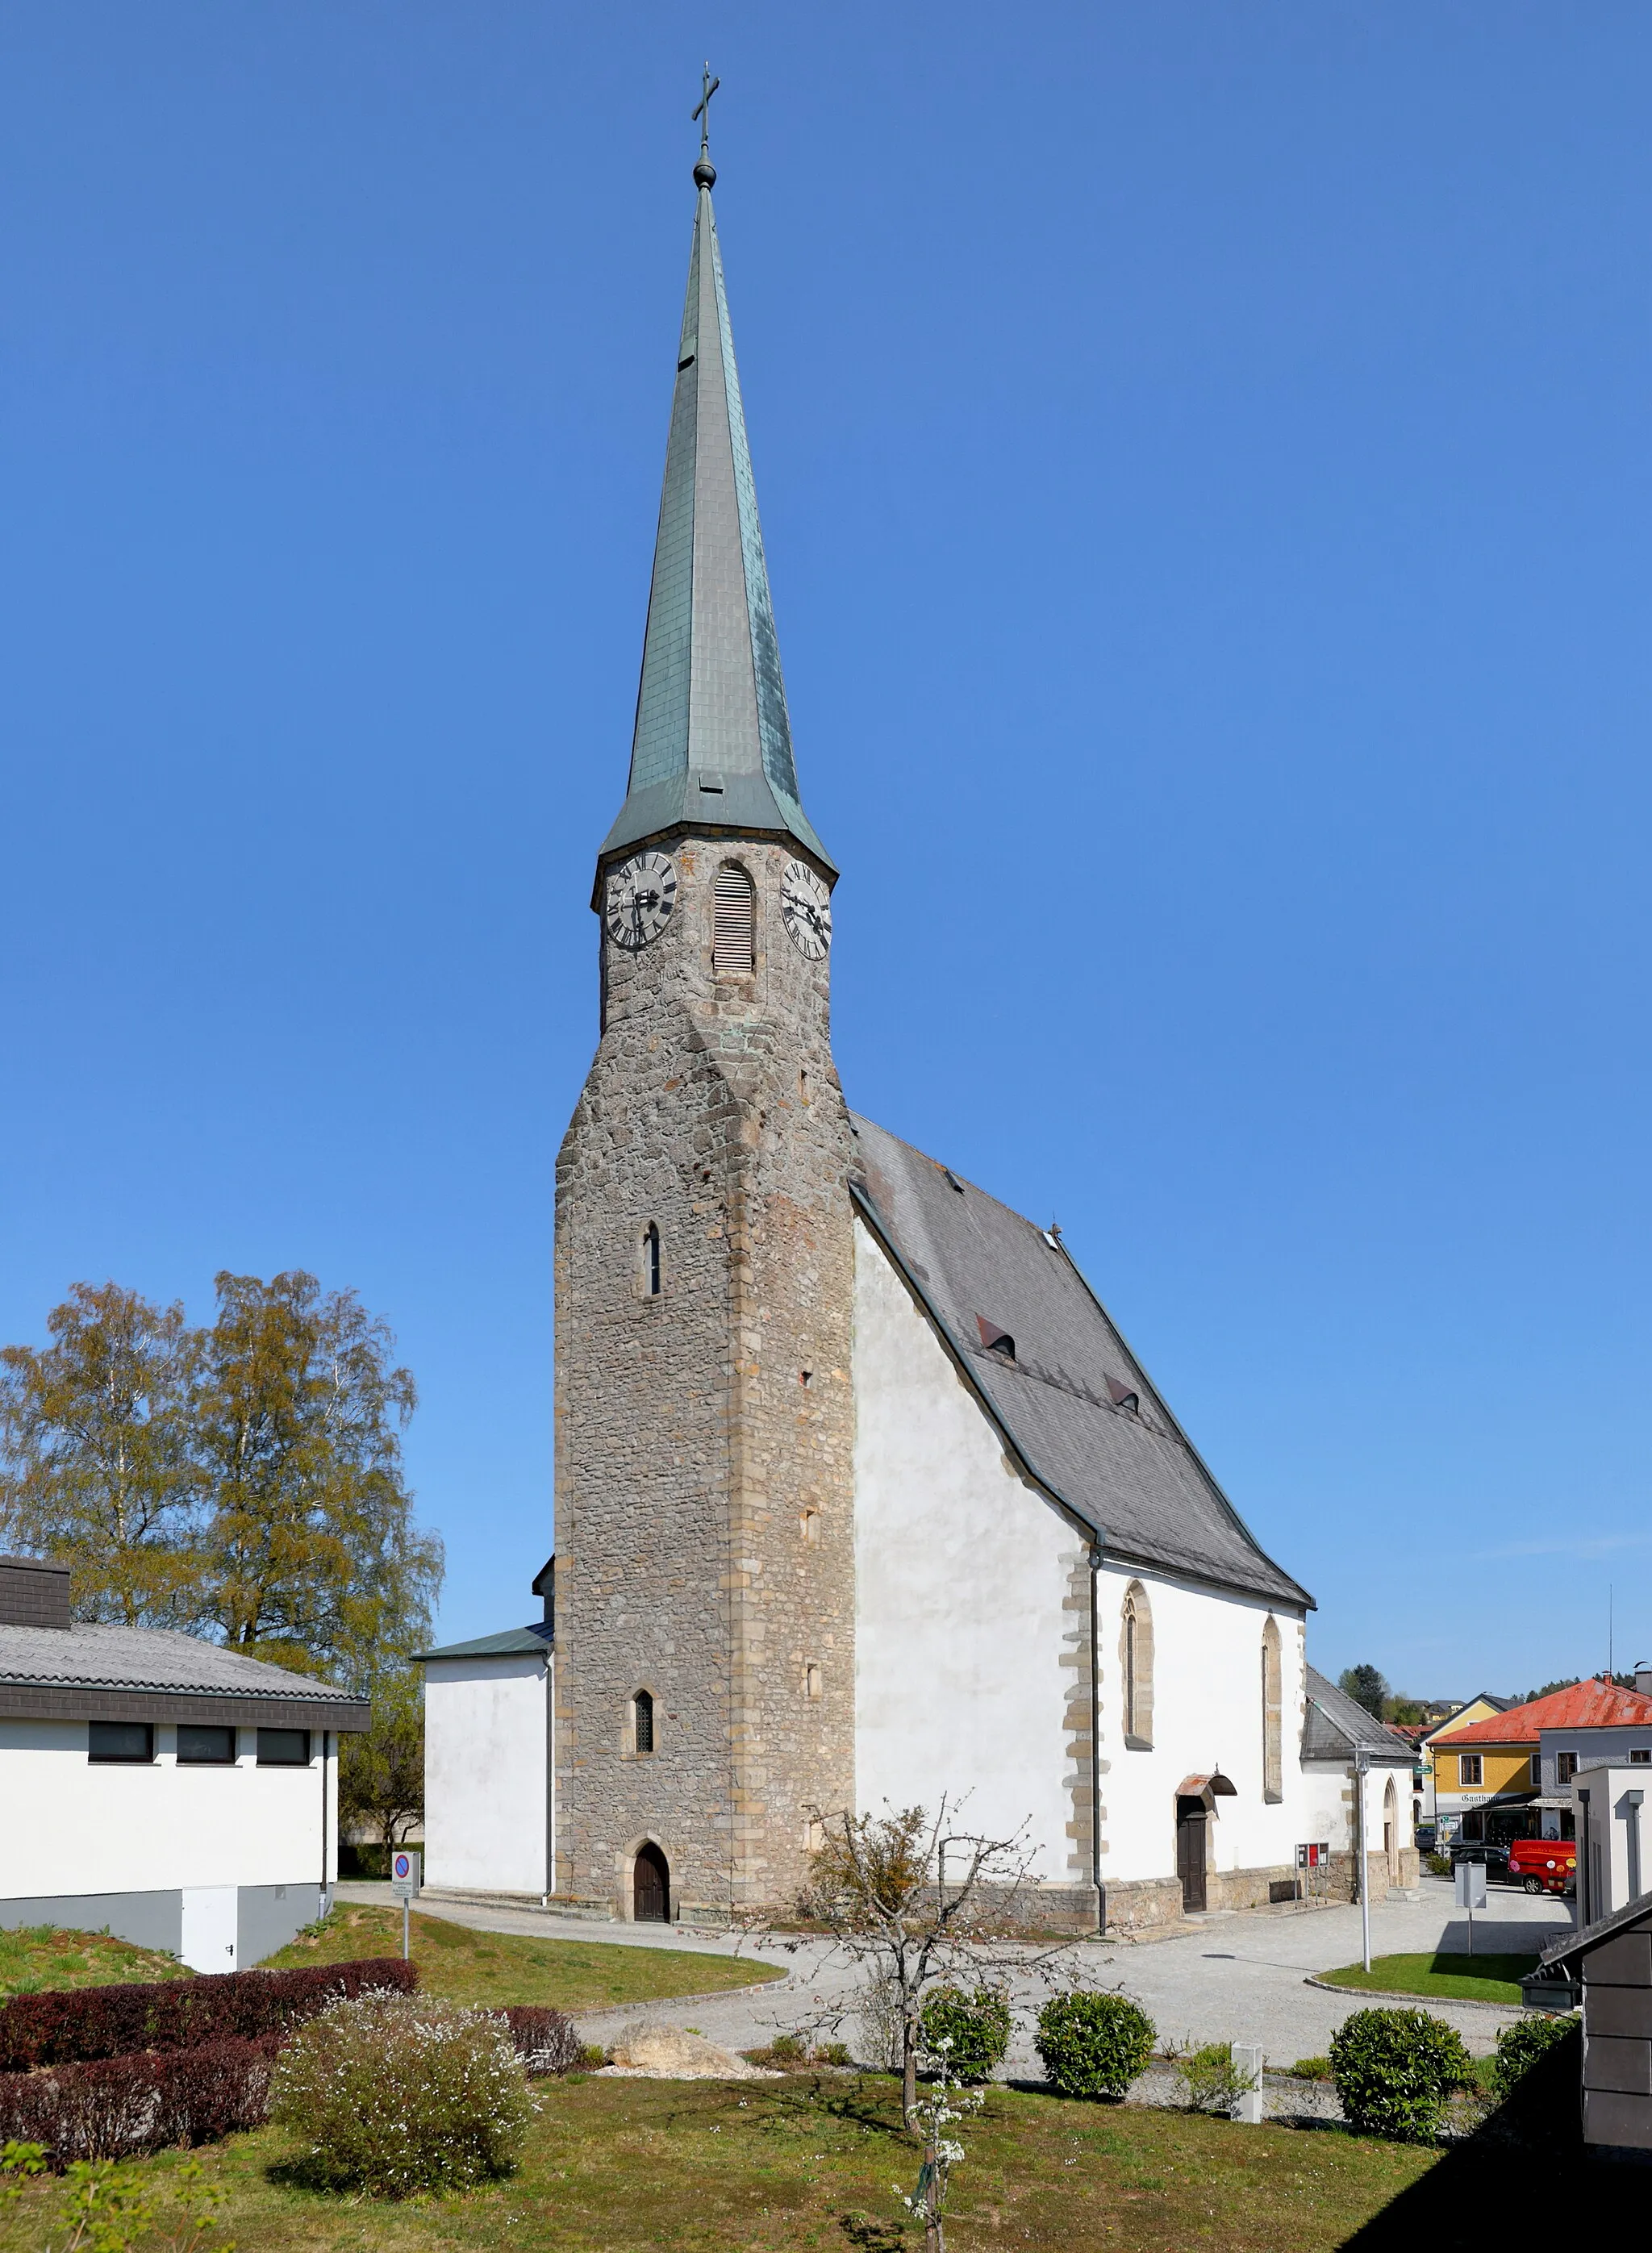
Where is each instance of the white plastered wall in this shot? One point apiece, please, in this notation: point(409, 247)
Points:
point(962, 1571)
point(486, 1766)
point(960, 1576)
point(73, 1826)
point(1207, 1716)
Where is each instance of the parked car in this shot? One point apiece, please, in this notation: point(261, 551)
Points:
point(1425, 1835)
point(1489, 1851)
point(1544, 1866)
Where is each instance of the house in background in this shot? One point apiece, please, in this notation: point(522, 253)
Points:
point(1490, 1777)
point(1478, 1708)
point(161, 1788)
point(1594, 1728)
point(1337, 1731)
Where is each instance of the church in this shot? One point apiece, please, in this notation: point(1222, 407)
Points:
point(860, 1495)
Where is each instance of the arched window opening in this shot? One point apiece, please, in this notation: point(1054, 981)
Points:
point(1136, 1668)
point(812, 1683)
point(650, 1260)
point(733, 922)
point(642, 1721)
point(810, 1524)
point(1273, 1715)
point(1390, 1830)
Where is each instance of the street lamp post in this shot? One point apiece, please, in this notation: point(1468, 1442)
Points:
point(1361, 1769)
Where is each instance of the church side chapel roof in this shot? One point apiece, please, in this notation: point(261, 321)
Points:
point(509, 1642)
point(89, 1657)
point(1044, 1355)
point(1336, 1724)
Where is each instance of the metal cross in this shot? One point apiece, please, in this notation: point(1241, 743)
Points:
point(702, 116)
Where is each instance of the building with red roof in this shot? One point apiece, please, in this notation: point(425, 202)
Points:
point(1510, 1774)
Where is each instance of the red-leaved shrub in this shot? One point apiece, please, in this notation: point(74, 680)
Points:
point(108, 2108)
point(70, 2026)
point(545, 2040)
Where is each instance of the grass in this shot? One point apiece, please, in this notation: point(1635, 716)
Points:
point(808, 2163)
point(506, 1967)
point(1446, 1978)
point(40, 1955)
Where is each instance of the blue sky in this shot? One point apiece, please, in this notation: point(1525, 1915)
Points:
point(1204, 467)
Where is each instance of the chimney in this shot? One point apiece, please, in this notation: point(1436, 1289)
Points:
point(1643, 1680)
point(33, 1593)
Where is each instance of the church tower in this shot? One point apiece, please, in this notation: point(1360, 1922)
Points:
point(705, 1422)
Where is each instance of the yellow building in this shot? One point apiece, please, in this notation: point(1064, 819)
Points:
point(1445, 1796)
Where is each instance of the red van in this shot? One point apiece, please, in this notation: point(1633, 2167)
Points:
point(1543, 1865)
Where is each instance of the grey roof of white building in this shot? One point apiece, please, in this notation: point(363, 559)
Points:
point(1064, 1402)
point(1337, 1726)
point(37, 1663)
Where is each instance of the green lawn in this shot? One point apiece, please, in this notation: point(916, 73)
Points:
point(612, 2166)
point(1447, 1978)
point(508, 1967)
point(40, 1956)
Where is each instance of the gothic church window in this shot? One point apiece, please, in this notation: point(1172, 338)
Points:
point(650, 1260)
point(733, 922)
point(1273, 1715)
point(643, 1722)
point(1136, 1667)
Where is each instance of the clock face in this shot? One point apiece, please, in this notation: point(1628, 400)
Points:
point(641, 893)
point(805, 909)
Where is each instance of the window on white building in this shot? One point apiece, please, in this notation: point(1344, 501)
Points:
point(129, 1741)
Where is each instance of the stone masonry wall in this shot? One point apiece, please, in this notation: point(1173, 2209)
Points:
point(704, 1437)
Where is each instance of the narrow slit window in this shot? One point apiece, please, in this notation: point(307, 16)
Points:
point(812, 1684)
point(1273, 1714)
point(643, 1708)
point(650, 1260)
point(733, 918)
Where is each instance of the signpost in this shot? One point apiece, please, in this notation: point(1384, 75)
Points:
point(404, 1884)
point(1471, 1893)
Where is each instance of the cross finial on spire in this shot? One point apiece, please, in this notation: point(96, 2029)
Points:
point(705, 171)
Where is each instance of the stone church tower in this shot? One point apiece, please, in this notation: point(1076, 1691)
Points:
point(705, 1423)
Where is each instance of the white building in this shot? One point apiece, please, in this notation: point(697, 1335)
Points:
point(174, 1793)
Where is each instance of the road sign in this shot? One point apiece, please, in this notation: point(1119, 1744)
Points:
point(404, 1874)
point(1471, 1885)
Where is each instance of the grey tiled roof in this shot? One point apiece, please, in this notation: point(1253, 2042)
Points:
point(83, 1657)
point(713, 744)
point(509, 1642)
point(1128, 1473)
point(1336, 1724)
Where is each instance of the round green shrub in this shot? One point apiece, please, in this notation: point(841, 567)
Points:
point(1520, 2046)
point(976, 2027)
point(1093, 2045)
point(1394, 2070)
point(394, 2094)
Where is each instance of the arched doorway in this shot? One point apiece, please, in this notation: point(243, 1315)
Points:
point(1191, 1814)
point(1390, 1831)
point(650, 1887)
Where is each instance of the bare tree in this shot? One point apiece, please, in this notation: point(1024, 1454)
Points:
point(918, 1902)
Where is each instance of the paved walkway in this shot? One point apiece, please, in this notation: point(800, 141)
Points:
point(1238, 1977)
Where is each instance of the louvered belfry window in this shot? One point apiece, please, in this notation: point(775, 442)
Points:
point(733, 914)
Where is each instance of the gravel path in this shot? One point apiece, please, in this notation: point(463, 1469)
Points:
point(1238, 1977)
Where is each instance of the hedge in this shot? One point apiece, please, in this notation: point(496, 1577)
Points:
point(546, 2042)
point(109, 2108)
point(74, 2025)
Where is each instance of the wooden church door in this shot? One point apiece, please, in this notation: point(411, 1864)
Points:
point(1190, 1818)
point(650, 1887)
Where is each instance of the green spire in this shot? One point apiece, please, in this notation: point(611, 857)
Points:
point(713, 742)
